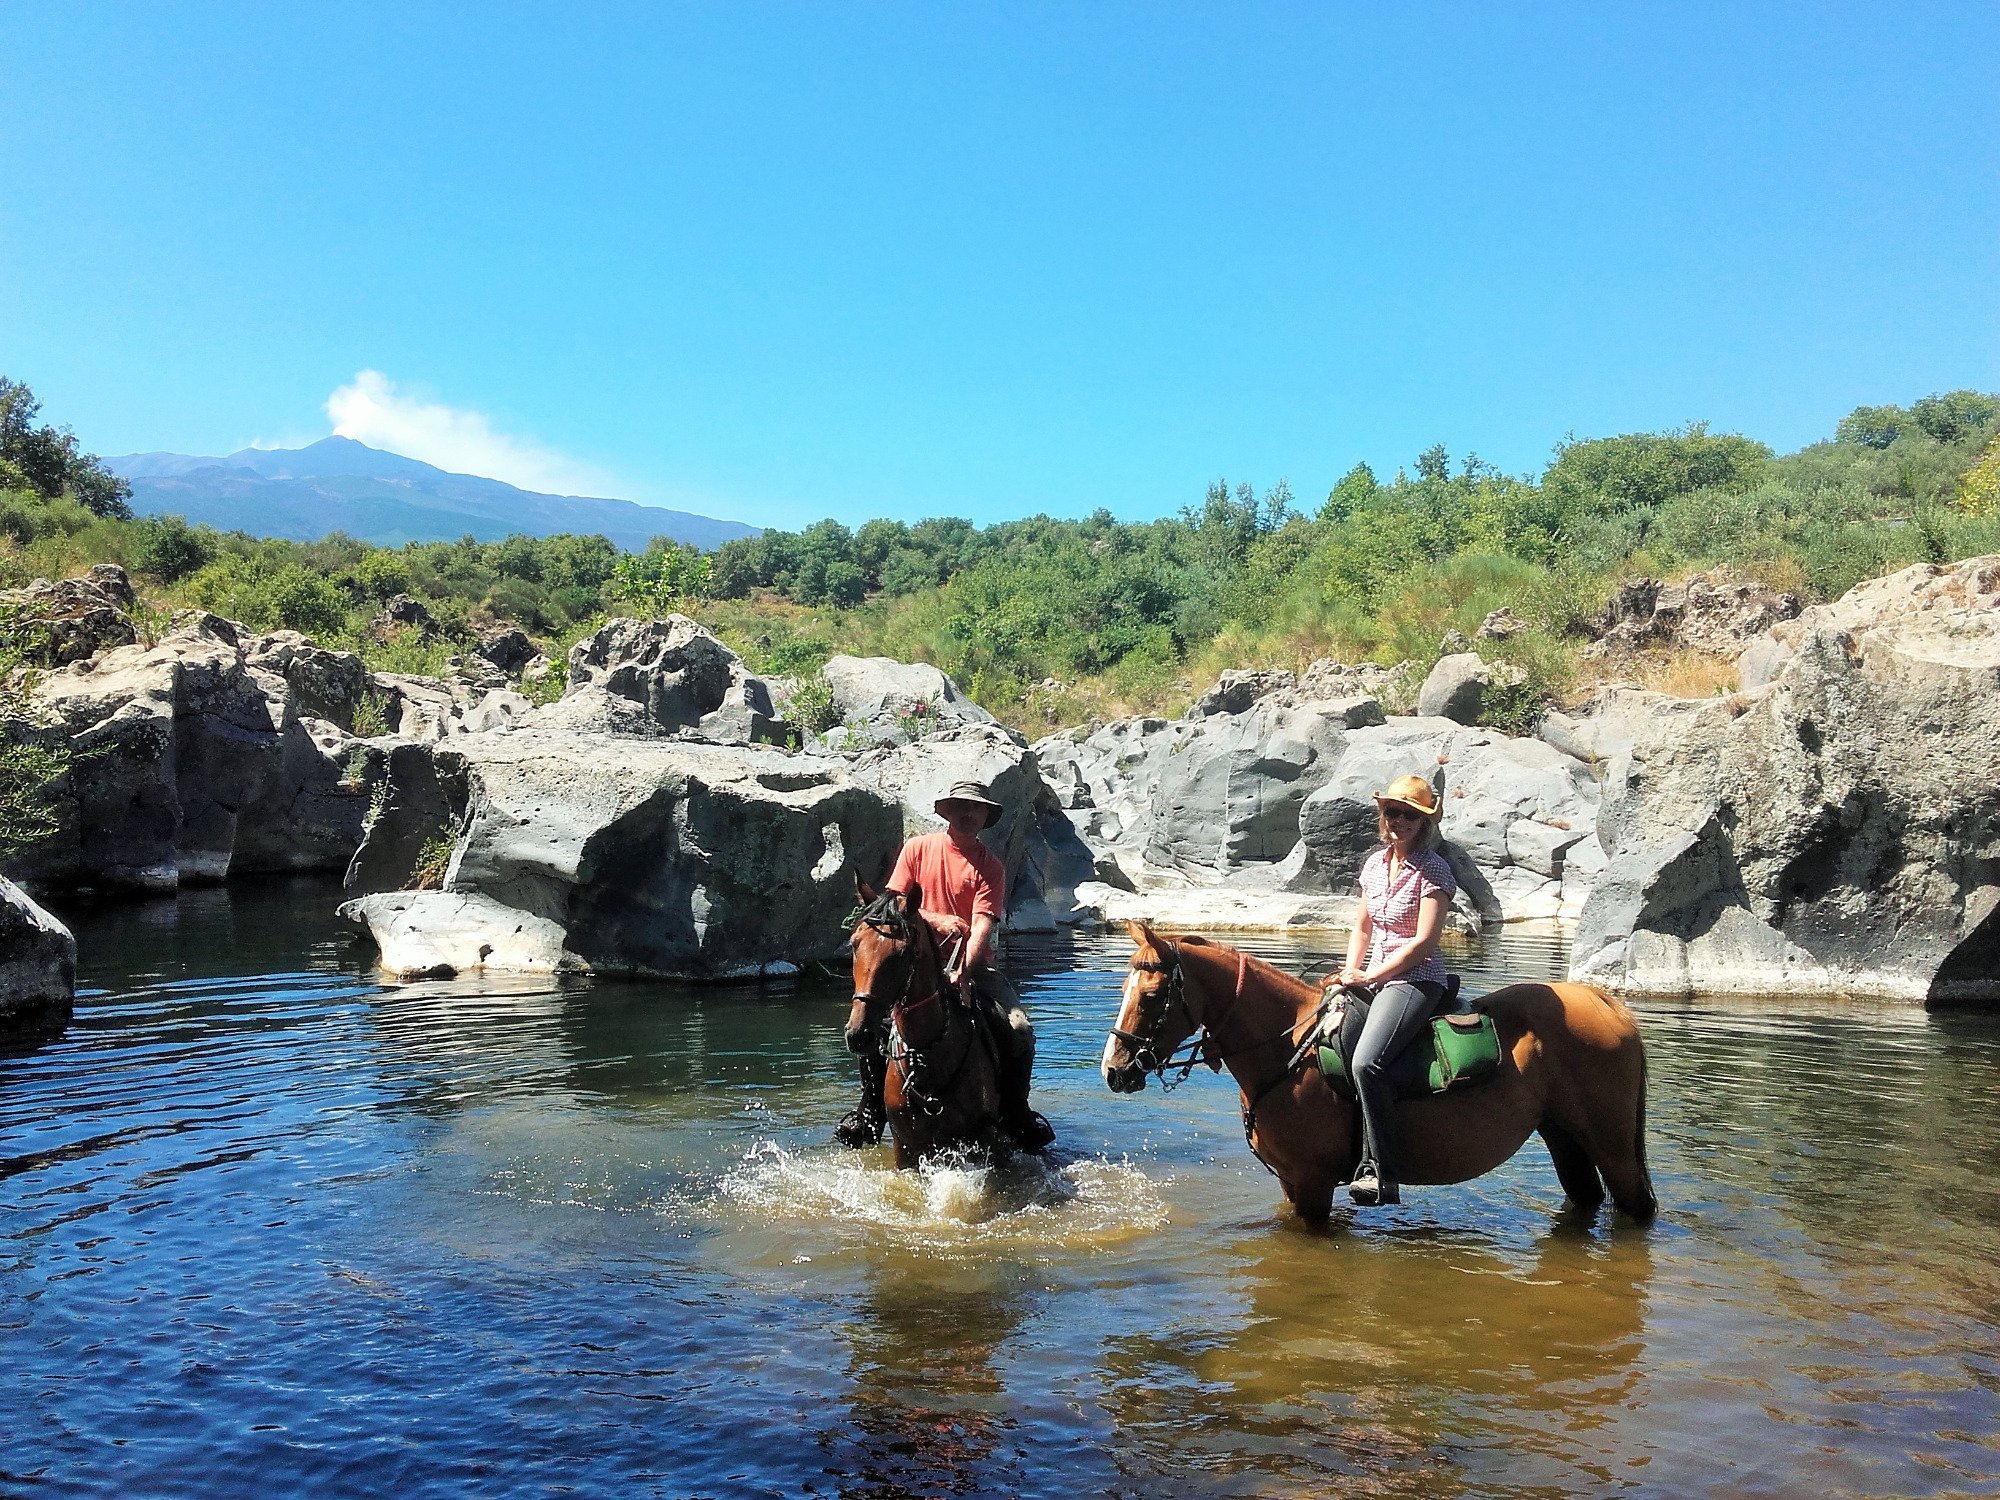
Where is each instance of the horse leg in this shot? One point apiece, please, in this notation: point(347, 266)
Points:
point(1314, 1204)
point(1574, 1168)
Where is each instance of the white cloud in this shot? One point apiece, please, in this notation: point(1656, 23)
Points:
point(371, 410)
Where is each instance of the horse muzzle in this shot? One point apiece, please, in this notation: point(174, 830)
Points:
point(1124, 1071)
point(864, 1039)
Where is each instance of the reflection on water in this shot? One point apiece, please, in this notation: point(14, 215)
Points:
point(270, 1224)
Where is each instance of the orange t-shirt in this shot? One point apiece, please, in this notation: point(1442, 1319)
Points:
point(955, 882)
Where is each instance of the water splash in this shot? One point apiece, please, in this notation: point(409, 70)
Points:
point(952, 1203)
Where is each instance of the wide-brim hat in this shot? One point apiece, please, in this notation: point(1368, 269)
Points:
point(971, 791)
point(1411, 791)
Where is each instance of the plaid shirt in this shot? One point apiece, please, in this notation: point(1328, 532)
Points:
point(1393, 908)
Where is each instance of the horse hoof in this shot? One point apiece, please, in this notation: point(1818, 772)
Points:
point(856, 1130)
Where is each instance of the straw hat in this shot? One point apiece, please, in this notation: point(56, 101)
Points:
point(1411, 791)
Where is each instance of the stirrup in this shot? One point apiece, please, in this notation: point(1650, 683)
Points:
point(1369, 1189)
point(1031, 1129)
point(858, 1128)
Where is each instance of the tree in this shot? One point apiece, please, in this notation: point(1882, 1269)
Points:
point(51, 460)
point(1644, 470)
point(1872, 426)
point(1947, 418)
point(656, 583)
point(1356, 491)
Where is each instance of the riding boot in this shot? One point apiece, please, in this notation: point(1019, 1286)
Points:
point(862, 1125)
point(1030, 1129)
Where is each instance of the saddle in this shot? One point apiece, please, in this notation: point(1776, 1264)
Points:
point(1459, 1048)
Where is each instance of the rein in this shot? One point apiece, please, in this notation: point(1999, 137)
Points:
point(911, 1062)
point(1203, 1046)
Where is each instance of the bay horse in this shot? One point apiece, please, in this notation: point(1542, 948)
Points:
point(1572, 1067)
point(942, 1089)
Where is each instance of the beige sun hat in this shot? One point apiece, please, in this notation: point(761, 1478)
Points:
point(1411, 791)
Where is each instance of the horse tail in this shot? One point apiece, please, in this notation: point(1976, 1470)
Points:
point(1648, 1203)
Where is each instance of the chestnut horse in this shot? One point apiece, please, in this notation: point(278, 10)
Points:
point(942, 1089)
point(1572, 1066)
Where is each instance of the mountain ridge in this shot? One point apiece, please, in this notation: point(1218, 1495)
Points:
point(339, 484)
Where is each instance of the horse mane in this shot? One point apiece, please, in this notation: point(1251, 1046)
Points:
point(1290, 984)
point(888, 915)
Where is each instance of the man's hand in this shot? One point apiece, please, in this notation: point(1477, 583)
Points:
point(946, 926)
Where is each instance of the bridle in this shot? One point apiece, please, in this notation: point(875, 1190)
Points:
point(911, 1062)
point(1198, 1047)
point(1202, 1046)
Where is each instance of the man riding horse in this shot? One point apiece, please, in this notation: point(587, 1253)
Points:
point(963, 887)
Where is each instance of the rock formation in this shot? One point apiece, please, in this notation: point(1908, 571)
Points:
point(193, 761)
point(1836, 829)
point(639, 856)
point(1712, 612)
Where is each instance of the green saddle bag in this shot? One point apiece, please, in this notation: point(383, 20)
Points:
point(1457, 1048)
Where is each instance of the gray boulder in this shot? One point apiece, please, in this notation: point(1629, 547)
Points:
point(639, 856)
point(508, 650)
point(876, 692)
point(681, 676)
point(1834, 831)
point(421, 708)
point(74, 619)
point(37, 965)
point(417, 796)
point(1238, 688)
point(1712, 612)
point(1456, 688)
point(1230, 794)
point(324, 684)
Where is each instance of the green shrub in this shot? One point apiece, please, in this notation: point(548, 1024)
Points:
point(812, 707)
point(169, 549)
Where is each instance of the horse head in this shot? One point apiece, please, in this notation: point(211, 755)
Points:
point(888, 940)
point(1153, 1018)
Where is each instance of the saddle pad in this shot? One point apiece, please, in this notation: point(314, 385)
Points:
point(1457, 1048)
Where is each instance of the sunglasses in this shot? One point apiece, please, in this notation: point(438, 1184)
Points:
point(1400, 813)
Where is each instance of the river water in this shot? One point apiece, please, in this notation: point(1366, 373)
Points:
point(271, 1226)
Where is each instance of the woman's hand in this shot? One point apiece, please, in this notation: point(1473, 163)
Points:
point(1349, 975)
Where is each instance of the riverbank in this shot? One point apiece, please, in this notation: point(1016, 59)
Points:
point(670, 815)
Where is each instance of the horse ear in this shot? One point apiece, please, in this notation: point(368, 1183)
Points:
point(864, 890)
point(913, 898)
point(1140, 933)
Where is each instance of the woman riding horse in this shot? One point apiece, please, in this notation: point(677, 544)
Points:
point(1572, 1067)
point(1406, 888)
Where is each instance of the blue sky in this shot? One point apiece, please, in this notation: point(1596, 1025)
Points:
point(776, 262)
